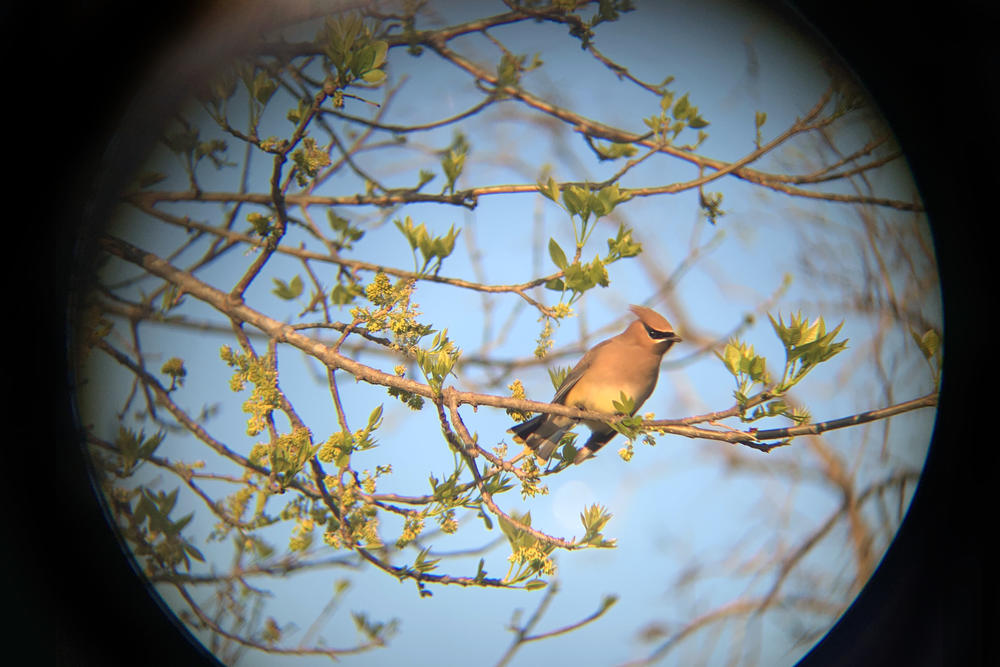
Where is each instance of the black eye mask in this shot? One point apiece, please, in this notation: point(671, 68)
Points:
point(658, 335)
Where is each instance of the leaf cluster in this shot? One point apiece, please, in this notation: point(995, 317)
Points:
point(433, 249)
point(438, 360)
point(929, 344)
point(393, 310)
point(160, 536)
point(340, 445)
point(289, 453)
point(675, 116)
point(186, 143)
point(261, 373)
point(607, 10)
point(582, 203)
point(807, 344)
point(594, 519)
point(351, 49)
point(309, 159)
point(511, 67)
point(134, 447)
point(530, 556)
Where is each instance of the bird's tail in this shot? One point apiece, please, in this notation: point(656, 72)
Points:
point(542, 433)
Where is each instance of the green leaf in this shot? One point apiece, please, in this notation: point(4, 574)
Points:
point(409, 231)
point(373, 77)
point(613, 151)
point(597, 273)
point(375, 418)
point(929, 342)
point(622, 245)
point(731, 356)
point(287, 291)
point(607, 198)
point(193, 552)
point(550, 189)
point(576, 201)
point(381, 49)
point(535, 584)
point(624, 404)
point(342, 294)
point(514, 534)
point(347, 234)
point(576, 278)
point(453, 164)
point(179, 525)
point(681, 107)
point(557, 374)
point(425, 177)
point(168, 501)
point(421, 564)
point(263, 87)
point(362, 61)
point(557, 254)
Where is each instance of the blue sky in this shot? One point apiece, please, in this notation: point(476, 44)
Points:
point(682, 505)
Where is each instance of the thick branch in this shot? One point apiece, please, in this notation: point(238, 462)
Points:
point(283, 332)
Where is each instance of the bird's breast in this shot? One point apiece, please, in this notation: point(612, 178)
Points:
point(599, 392)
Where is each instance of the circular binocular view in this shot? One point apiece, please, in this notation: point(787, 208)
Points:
point(501, 333)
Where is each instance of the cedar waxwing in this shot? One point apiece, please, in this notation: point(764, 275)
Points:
point(629, 363)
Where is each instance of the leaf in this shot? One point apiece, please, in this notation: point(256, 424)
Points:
point(178, 525)
point(557, 374)
point(362, 61)
point(929, 343)
point(514, 534)
point(597, 273)
point(287, 291)
point(576, 278)
point(607, 198)
point(381, 49)
point(624, 404)
point(408, 231)
point(423, 565)
point(575, 200)
point(613, 151)
point(681, 107)
point(375, 418)
point(622, 245)
point(731, 357)
point(557, 254)
point(193, 552)
point(263, 87)
point(550, 189)
point(373, 77)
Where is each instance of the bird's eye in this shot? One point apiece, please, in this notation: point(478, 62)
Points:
point(658, 335)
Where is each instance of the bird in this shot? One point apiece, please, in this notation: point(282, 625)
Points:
point(628, 363)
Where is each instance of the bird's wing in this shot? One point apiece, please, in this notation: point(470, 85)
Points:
point(576, 373)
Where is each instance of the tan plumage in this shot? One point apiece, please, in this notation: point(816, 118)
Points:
point(629, 363)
